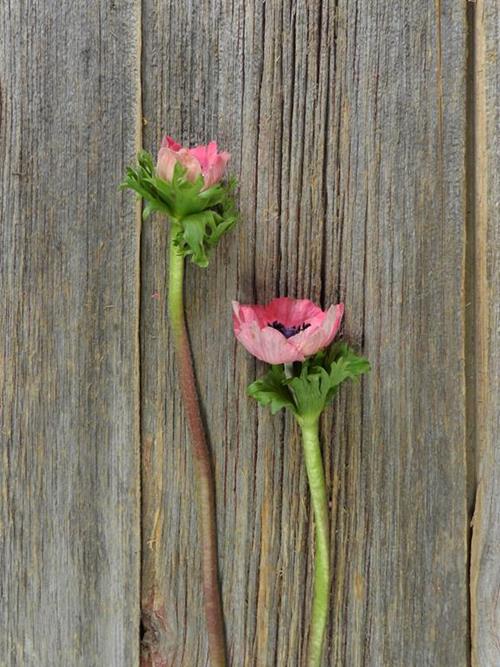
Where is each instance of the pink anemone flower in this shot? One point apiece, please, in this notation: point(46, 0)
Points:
point(204, 160)
point(286, 330)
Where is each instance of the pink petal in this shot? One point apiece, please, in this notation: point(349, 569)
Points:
point(266, 344)
point(212, 163)
point(246, 314)
point(200, 153)
point(212, 149)
point(168, 142)
point(167, 160)
point(215, 171)
point(317, 337)
point(205, 154)
point(191, 163)
point(292, 312)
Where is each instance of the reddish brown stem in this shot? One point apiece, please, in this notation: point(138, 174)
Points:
point(205, 486)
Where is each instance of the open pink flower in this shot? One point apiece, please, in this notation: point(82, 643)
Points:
point(204, 160)
point(286, 330)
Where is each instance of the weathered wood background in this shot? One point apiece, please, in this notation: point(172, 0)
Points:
point(365, 138)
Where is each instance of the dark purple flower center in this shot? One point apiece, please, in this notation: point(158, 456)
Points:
point(288, 332)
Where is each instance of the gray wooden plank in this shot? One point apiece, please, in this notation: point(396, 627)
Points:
point(347, 127)
point(485, 562)
point(400, 150)
point(69, 247)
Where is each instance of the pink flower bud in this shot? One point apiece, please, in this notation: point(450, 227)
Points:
point(204, 160)
point(286, 330)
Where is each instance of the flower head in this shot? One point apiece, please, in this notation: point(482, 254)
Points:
point(204, 160)
point(186, 186)
point(286, 330)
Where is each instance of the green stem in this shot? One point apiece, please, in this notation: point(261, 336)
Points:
point(205, 487)
point(316, 477)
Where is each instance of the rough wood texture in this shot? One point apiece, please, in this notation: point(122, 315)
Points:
point(346, 121)
point(69, 428)
point(485, 565)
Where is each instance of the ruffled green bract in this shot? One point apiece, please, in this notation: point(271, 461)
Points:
point(306, 388)
point(202, 216)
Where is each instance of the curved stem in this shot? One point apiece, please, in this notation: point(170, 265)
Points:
point(316, 477)
point(205, 487)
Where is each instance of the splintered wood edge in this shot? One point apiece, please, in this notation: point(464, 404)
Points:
point(484, 576)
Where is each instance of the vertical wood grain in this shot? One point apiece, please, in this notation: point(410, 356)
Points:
point(69, 427)
point(346, 122)
point(485, 563)
point(400, 206)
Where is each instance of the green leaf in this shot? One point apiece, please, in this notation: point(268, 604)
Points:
point(194, 234)
point(348, 365)
point(310, 390)
point(314, 383)
point(215, 222)
point(162, 191)
point(272, 390)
